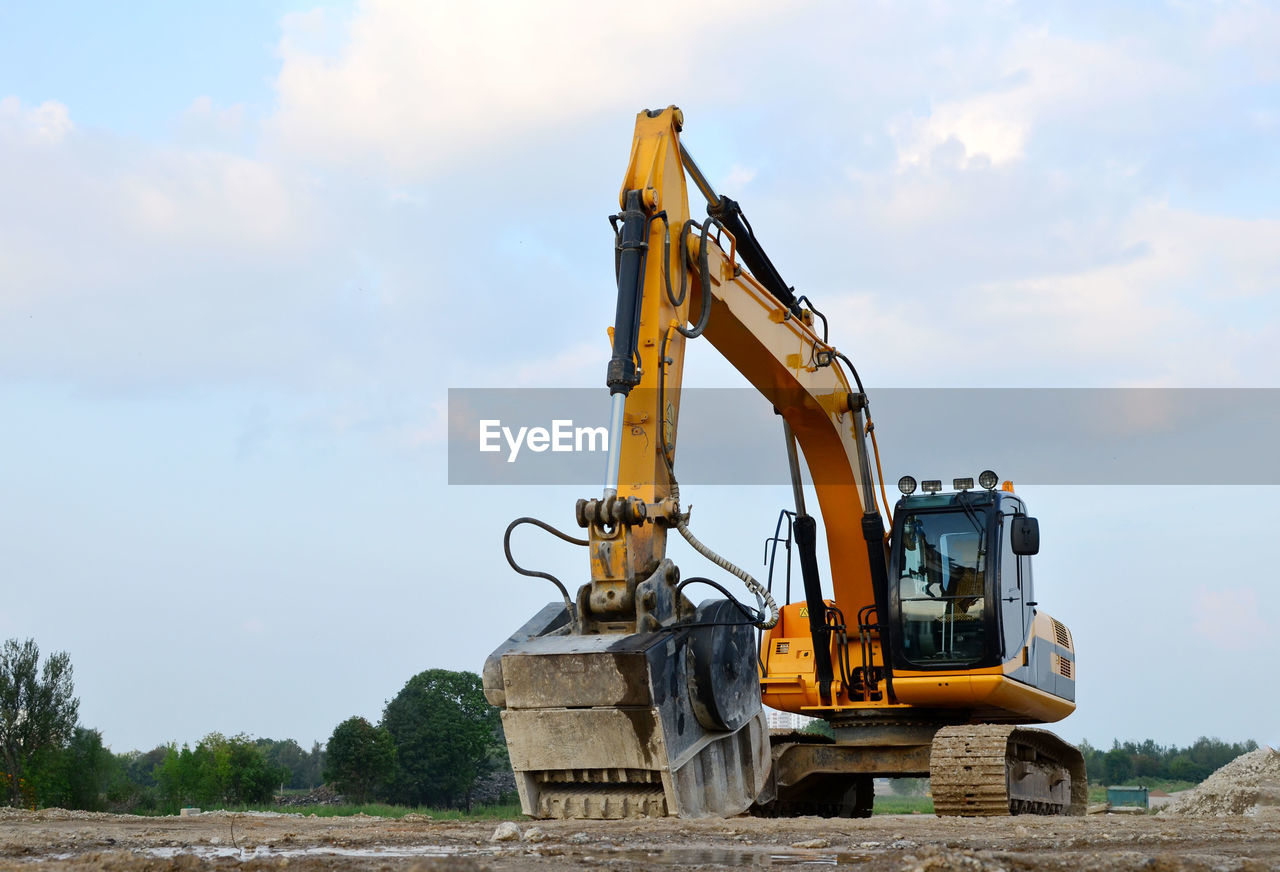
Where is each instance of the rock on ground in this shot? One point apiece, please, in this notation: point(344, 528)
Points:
point(506, 832)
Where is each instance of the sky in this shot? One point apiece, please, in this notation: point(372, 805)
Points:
point(247, 248)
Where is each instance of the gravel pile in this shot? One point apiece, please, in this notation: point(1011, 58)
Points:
point(1242, 786)
point(322, 795)
point(52, 814)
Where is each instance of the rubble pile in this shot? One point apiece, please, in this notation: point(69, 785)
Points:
point(1242, 786)
point(322, 795)
point(495, 787)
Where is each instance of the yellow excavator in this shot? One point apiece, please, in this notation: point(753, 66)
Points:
point(630, 700)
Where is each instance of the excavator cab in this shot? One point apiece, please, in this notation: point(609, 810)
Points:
point(960, 591)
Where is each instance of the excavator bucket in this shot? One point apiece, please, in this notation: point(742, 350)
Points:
point(632, 725)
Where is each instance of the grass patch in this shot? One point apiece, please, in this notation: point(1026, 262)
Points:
point(478, 813)
point(509, 811)
point(1166, 785)
point(903, 805)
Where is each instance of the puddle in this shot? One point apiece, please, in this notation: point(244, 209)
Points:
point(264, 852)
point(730, 858)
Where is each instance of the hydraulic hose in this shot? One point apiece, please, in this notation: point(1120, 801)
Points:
point(871, 431)
point(758, 590)
point(703, 266)
point(533, 573)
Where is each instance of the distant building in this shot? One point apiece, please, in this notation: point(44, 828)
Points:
point(786, 720)
point(1127, 797)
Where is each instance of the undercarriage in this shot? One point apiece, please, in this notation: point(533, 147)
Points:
point(974, 770)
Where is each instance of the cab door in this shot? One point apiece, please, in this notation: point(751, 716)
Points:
point(1012, 610)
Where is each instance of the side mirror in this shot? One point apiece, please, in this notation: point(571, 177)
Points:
point(1025, 533)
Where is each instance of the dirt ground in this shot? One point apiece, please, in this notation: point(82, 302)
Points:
point(57, 840)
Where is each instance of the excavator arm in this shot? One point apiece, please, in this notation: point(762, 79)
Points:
point(676, 281)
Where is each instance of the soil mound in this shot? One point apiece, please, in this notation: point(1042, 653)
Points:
point(1246, 785)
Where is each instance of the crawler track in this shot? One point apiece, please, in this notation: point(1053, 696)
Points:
point(994, 769)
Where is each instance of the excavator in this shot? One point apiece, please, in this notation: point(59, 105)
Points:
point(927, 657)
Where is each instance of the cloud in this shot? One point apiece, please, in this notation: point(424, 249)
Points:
point(1190, 284)
point(1042, 78)
point(133, 263)
point(738, 177)
point(432, 429)
point(1250, 33)
point(203, 123)
point(1207, 284)
point(1230, 618)
point(415, 86)
point(990, 130)
point(580, 364)
point(253, 626)
point(378, 231)
point(46, 124)
point(209, 198)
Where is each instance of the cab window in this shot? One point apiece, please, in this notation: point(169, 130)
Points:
point(941, 588)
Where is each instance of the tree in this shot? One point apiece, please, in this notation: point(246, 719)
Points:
point(443, 729)
point(1117, 766)
point(250, 776)
point(80, 775)
point(1147, 760)
point(288, 755)
point(818, 727)
point(1183, 768)
point(315, 765)
point(141, 767)
point(218, 771)
point(38, 709)
point(360, 759)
